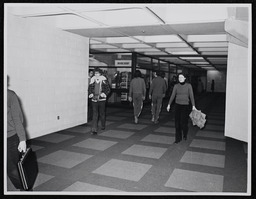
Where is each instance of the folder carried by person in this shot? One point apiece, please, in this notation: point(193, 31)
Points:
point(28, 169)
point(198, 118)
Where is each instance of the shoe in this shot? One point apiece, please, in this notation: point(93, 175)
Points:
point(136, 120)
point(184, 137)
point(94, 132)
point(156, 122)
point(176, 142)
point(153, 119)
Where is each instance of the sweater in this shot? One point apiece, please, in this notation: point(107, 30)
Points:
point(182, 94)
point(138, 86)
point(14, 117)
point(158, 86)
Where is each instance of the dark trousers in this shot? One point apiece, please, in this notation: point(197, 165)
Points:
point(181, 121)
point(156, 105)
point(13, 156)
point(89, 109)
point(98, 109)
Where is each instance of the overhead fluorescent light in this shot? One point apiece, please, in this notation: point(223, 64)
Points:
point(155, 53)
point(171, 45)
point(178, 49)
point(116, 50)
point(146, 50)
point(185, 53)
point(213, 49)
point(210, 44)
point(93, 46)
point(207, 38)
point(136, 46)
point(159, 38)
point(192, 58)
point(200, 62)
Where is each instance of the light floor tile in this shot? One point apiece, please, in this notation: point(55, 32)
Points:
point(133, 126)
point(123, 169)
point(206, 159)
point(159, 139)
point(64, 159)
point(115, 118)
point(145, 121)
point(42, 178)
point(210, 134)
point(79, 129)
point(85, 187)
point(215, 145)
point(214, 127)
point(96, 144)
point(145, 151)
point(117, 134)
point(195, 181)
point(165, 130)
point(36, 148)
point(55, 138)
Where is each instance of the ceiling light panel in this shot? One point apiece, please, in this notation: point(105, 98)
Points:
point(207, 38)
point(94, 46)
point(211, 44)
point(213, 49)
point(193, 58)
point(159, 38)
point(185, 53)
point(116, 50)
point(215, 53)
point(172, 45)
point(146, 50)
point(178, 49)
point(155, 53)
point(126, 17)
point(136, 46)
point(200, 62)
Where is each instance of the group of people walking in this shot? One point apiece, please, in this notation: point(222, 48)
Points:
point(182, 93)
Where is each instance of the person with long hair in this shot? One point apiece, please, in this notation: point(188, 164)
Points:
point(183, 92)
point(137, 93)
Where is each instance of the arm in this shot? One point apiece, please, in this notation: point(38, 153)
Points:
point(144, 89)
point(130, 91)
point(174, 92)
point(191, 95)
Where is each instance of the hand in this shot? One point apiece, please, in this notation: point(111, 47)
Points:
point(130, 99)
point(168, 108)
point(103, 95)
point(91, 95)
point(149, 96)
point(143, 98)
point(194, 108)
point(22, 146)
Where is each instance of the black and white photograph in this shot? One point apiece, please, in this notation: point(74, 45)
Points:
point(127, 99)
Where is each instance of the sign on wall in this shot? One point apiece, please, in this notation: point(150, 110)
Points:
point(123, 63)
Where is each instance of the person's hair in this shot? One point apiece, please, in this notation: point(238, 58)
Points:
point(162, 74)
point(97, 70)
point(182, 75)
point(137, 73)
point(158, 73)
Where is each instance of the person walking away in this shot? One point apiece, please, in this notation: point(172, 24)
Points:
point(16, 138)
point(157, 93)
point(183, 92)
point(98, 91)
point(212, 86)
point(137, 93)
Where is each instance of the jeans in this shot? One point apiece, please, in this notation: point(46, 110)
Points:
point(13, 156)
point(98, 109)
point(156, 105)
point(181, 121)
point(137, 103)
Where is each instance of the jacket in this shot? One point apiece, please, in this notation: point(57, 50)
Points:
point(158, 86)
point(104, 88)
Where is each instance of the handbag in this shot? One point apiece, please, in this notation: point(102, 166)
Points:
point(28, 169)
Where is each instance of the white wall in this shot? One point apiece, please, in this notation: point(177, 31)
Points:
point(48, 70)
point(238, 93)
point(219, 78)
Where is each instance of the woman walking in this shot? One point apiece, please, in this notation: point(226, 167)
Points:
point(137, 93)
point(183, 92)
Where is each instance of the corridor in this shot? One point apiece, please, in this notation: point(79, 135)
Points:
point(127, 157)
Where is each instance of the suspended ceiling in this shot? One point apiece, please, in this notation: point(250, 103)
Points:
point(187, 35)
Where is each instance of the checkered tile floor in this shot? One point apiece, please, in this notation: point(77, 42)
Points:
point(128, 157)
